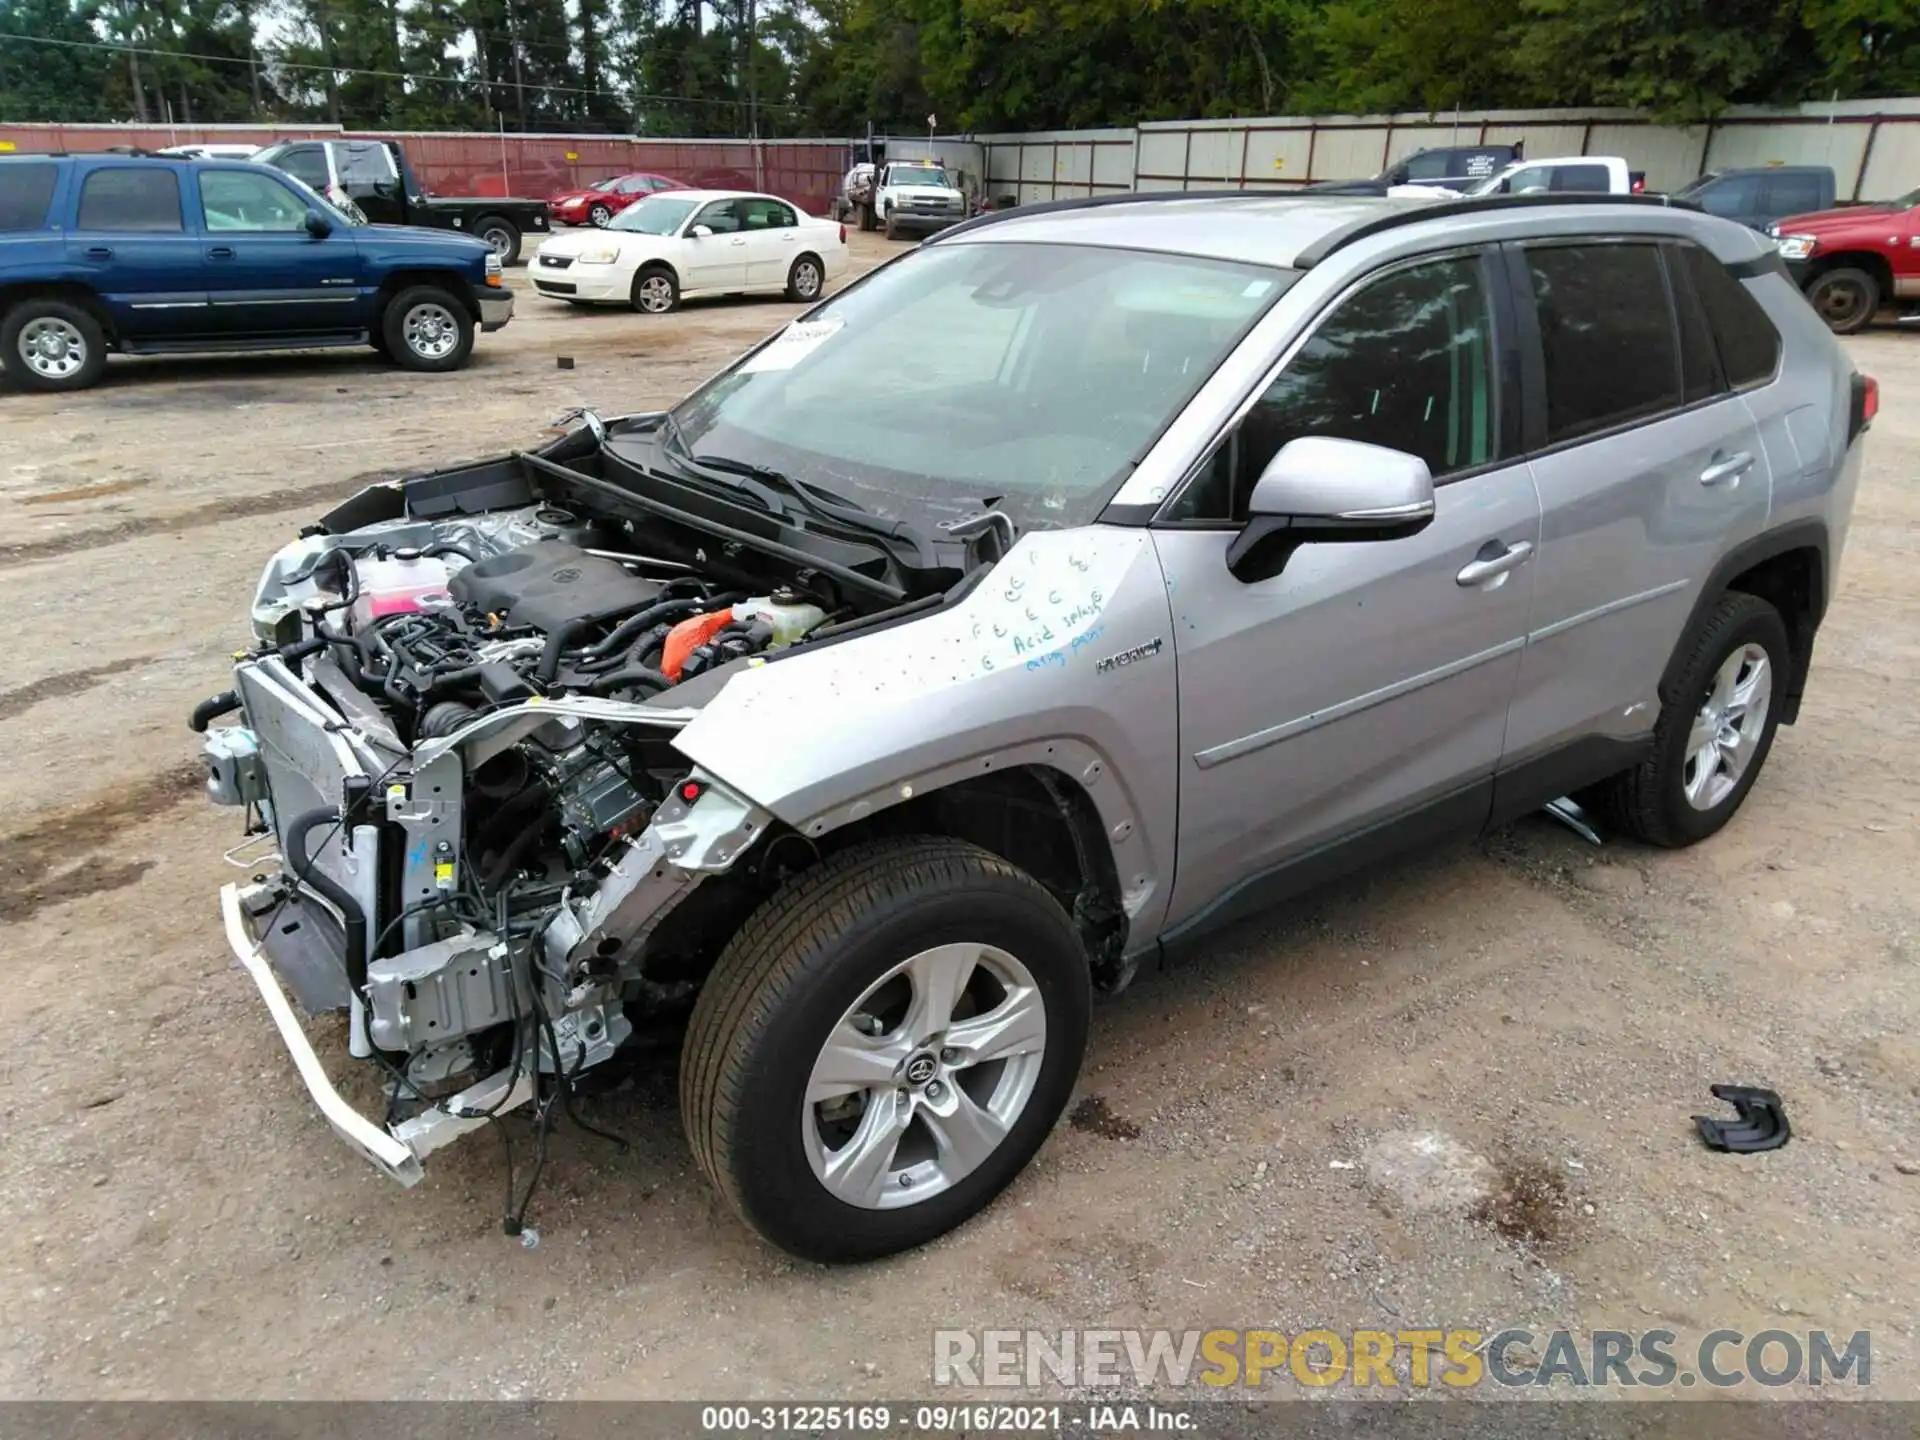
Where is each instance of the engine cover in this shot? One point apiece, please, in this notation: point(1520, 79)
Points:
point(547, 584)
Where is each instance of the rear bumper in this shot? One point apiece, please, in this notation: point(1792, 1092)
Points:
point(397, 1151)
point(496, 309)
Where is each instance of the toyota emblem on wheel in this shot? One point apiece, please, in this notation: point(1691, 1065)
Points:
point(920, 1069)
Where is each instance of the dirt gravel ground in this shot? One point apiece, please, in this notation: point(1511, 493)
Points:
point(1452, 1094)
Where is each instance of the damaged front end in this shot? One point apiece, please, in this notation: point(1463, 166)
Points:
point(457, 726)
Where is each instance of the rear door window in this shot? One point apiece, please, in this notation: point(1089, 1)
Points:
point(1743, 335)
point(364, 165)
point(25, 192)
point(142, 199)
point(1607, 334)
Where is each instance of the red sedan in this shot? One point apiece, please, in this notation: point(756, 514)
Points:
point(597, 204)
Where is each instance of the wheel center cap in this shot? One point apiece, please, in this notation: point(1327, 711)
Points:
point(921, 1068)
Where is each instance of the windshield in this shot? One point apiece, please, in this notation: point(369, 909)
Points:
point(606, 184)
point(1693, 188)
point(654, 216)
point(1907, 201)
point(1030, 376)
point(919, 175)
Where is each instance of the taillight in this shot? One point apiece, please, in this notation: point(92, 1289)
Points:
point(843, 234)
point(1639, 184)
point(1866, 405)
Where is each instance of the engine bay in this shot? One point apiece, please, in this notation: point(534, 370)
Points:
point(457, 724)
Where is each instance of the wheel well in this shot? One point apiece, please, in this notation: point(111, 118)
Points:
point(491, 216)
point(661, 267)
point(11, 295)
point(809, 255)
point(1874, 264)
point(1032, 816)
point(452, 282)
point(1793, 583)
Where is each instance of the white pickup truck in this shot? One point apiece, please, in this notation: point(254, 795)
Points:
point(917, 196)
point(1588, 174)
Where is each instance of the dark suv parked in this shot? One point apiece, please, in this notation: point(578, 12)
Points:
point(149, 255)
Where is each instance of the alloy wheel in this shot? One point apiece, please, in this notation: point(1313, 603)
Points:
point(924, 1076)
point(656, 294)
point(1727, 730)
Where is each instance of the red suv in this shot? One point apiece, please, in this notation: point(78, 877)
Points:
point(597, 204)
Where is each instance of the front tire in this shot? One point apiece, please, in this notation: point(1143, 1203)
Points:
point(883, 1047)
point(1846, 298)
point(599, 217)
point(1715, 729)
point(893, 229)
point(49, 344)
point(655, 291)
point(426, 328)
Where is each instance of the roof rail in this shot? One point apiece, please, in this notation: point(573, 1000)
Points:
point(1334, 239)
point(1467, 205)
point(1131, 197)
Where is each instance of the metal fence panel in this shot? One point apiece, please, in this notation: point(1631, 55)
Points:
point(1893, 164)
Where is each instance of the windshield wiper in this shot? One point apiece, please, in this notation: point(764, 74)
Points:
point(769, 485)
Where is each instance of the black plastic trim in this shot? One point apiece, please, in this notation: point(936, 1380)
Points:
point(1457, 815)
point(1798, 535)
point(1769, 264)
point(1346, 235)
point(1525, 786)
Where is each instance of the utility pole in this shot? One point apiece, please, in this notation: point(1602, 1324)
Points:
point(519, 81)
point(753, 75)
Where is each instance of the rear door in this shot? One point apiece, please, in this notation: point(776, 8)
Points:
point(266, 275)
point(1650, 467)
point(366, 172)
point(717, 261)
point(773, 240)
point(131, 244)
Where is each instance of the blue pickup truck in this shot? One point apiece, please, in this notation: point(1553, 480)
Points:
point(153, 255)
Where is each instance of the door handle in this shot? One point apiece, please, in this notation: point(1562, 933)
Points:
point(740, 241)
point(99, 252)
point(1731, 468)
point(220, 252)
point(1492, 567)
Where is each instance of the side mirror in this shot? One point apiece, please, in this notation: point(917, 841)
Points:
point(318, 226)
point(1319, 490)
point(701, 232)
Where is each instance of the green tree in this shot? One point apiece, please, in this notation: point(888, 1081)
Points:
point(40, 81)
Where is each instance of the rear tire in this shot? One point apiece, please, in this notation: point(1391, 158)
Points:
point(1846, 298)
point(1716, 726)
point(49, 344)
point(427, 328)
point(931, 948)
point(502, 237)
point(806, 280)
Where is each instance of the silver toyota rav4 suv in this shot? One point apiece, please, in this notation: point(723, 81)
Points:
point(1065, 589)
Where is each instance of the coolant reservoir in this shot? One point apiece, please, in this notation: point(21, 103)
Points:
point(401, 585)
point(790, 621)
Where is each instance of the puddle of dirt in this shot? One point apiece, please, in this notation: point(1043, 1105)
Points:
point(1096, 1117)
point(88, 492)
point(50, 862)
point(70, 682)
point(214, 512)
point(1529, 1203)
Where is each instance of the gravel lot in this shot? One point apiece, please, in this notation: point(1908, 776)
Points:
point(184, 1224)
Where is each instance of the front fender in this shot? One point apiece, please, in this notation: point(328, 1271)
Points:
point(1063, 656)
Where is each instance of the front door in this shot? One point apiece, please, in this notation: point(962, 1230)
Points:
point(131, 246)
point(1650, 467)
point(1363, 692)
point(717, 261)
point(773, 241)
point(266, 274)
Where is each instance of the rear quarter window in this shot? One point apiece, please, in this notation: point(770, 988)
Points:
point(1748, 344)
point(25, 193)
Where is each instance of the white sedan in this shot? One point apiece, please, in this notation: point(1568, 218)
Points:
point(681, 244)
